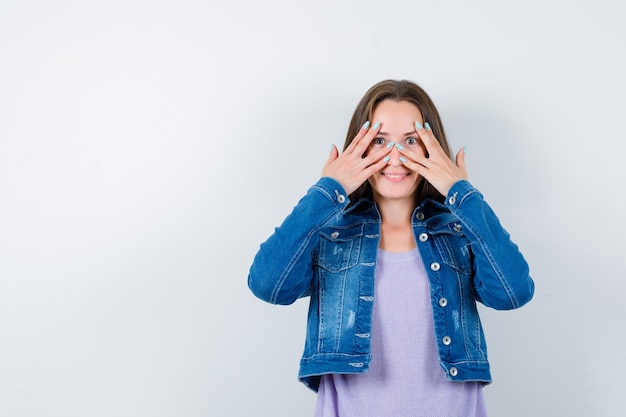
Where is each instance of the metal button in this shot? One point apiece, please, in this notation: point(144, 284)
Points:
point(419, 215)
point(443, 301)
point(446, 340)
point(457, 227)
point(423, 237)
point(452, 200)
point(435, 266)
point(334, 235)
point(341, 198)
point(454, 371)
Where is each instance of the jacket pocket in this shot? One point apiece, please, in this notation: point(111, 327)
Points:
point(453, 247)
point(339, 248)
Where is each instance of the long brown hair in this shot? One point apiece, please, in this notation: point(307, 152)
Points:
point(398, 90)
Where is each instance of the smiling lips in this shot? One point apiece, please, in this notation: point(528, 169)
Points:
point(395, 177)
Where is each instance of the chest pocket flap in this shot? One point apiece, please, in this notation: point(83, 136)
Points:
point(453, 246)
point(339, 247)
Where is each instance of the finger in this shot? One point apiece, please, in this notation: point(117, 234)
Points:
point(414, 153)
point(432, 145)
point(460, 158)
point(365, 141)
point(359, 136)
point(376, 166)
point(376, 154)
point(417, 164)
point(334, 153)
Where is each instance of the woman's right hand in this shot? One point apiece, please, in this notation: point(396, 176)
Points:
point(355, 165)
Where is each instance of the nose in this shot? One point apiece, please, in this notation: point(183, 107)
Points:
point(394, 157)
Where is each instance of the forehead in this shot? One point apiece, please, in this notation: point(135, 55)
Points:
point(397, 111)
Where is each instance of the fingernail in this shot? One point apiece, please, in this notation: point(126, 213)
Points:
point(418, 125)
point(366, 125)
point(464, 150)
point(427, 126)
point(386, 158)
point(390, 145)
point(332, 146)
point(402, 159)
point(376, 125)
point(399, 146)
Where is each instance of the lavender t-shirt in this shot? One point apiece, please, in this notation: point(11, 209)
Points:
point(404, 378)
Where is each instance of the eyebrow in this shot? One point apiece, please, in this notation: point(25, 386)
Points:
point(388, 134)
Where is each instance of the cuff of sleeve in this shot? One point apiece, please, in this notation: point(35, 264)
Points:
point(459, 191)
point(333, 191)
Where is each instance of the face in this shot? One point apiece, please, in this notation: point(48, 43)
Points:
point(397, 119)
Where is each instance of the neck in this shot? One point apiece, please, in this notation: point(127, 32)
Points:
point(395, 212)
point(396, 231)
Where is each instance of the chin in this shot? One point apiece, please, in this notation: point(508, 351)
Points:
point(380, 193)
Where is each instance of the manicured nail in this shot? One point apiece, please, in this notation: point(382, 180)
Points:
point(464, 150)
point(402, 159)
point(386, 158)
point(399, 146)
point(418, 125)
point(332, 146)
point(390, 145)
point(366, 125)
point(427, 126)
point(376, 125)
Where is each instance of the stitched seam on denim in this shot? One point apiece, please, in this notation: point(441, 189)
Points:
point(328, 195)
point(320, 325)
point(479, 341)
point(444, 248)
point(296, 258)
point(494, 265)
point(340, 327)
point(434, 284)
point(450, 259)
point(463, 318)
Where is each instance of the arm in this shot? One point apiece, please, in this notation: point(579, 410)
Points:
point(282, 269)
point(501, 277)
point(501, 274)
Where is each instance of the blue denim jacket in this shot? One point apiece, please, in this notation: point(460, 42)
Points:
point(327, 250)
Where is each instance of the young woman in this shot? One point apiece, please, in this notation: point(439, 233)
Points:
point(394, 247)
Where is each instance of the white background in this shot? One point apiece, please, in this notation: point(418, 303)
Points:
point(148, 148)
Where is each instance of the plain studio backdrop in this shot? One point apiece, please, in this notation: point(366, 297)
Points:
point(148, 148)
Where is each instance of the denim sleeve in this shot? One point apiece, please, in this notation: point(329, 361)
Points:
point(501, 274)
point(282, 269)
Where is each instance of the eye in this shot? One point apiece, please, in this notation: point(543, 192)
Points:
point(378, 141)
point(411, 141)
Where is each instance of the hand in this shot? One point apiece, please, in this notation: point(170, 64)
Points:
point(355, 165)
point(436, 167)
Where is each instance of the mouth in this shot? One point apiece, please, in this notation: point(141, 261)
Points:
point(395, 177)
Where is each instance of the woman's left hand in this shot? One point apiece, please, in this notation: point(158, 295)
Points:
point(436, 167)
